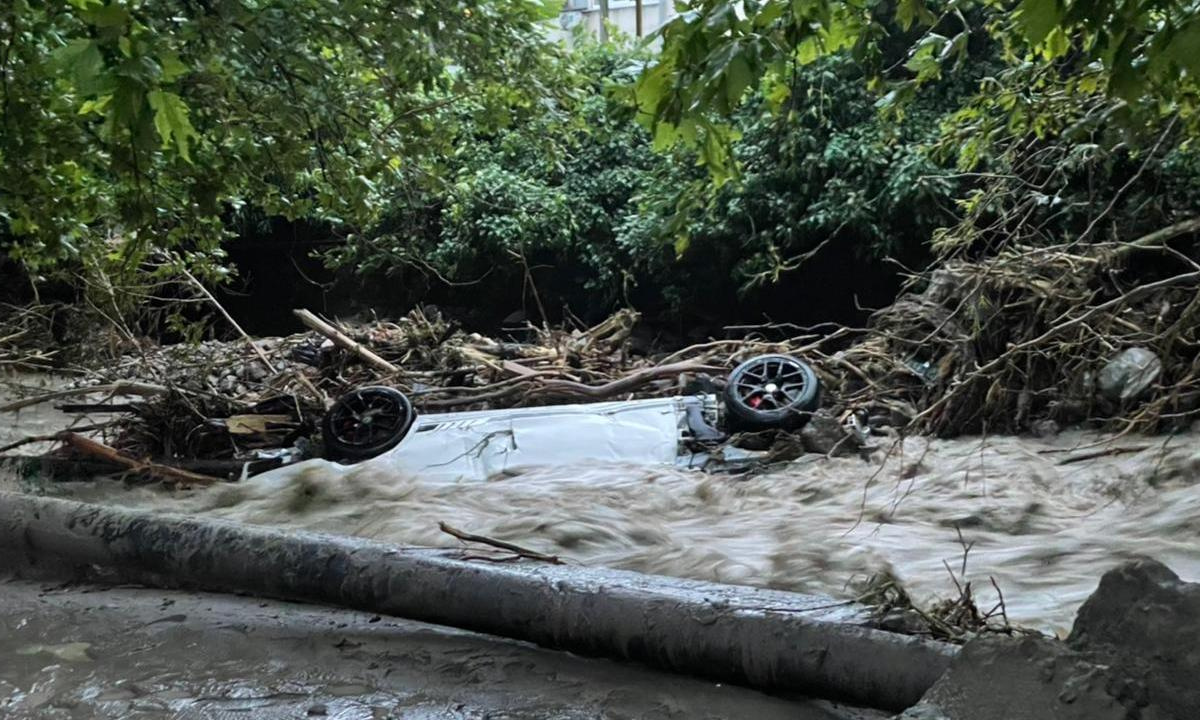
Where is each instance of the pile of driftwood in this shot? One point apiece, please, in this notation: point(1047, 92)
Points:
point(1018, 339)
point(1027, 336)
point(27, 337)
point(210, 408)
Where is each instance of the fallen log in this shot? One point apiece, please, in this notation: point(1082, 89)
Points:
point(764, 638)
point(344, 341)
point(99, 450)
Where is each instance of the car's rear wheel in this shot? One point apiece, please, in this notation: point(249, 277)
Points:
point(366, 422)
point(771, 391)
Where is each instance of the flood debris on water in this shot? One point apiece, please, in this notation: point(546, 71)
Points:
point(1026, 340)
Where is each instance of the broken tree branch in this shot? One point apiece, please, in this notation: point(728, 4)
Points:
point(344, 341)
point(118, 388)
point(213, 300)
point(520, 551)
point(628, 383)
point(91, 447)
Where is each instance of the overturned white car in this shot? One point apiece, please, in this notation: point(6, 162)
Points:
point(770, 391)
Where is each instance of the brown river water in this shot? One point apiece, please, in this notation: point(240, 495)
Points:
point(1042, 517)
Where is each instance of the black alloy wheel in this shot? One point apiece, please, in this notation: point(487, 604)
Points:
point(771, 391)
point(366, 422)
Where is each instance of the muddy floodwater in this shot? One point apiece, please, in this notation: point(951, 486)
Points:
point(1043, 517)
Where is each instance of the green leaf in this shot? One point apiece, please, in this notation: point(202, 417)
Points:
point(1038, 17)
point(81, 59)
point(682, 242)
point(1184, 48)
point(737, 78)
point(172, 67)
point(171, 121)
point(910, 11)
point(106, 16)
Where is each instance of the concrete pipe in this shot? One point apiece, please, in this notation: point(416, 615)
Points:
point(767, 639)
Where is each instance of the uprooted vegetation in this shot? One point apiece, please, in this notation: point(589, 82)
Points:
point(1002, 344)
point(998, 344)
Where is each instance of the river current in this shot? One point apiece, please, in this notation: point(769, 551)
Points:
point(1043, 518)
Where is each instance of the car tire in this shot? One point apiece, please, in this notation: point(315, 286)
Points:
point(365, 423)
point(771, 392)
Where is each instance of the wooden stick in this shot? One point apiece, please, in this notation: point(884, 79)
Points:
point(118, 388)
point(509, 366)
point(1103, 453)
point(344, 341)
point(47, 438)
point(627, 383)
point(88, 446)
point(312, 389)
point(249, 341)
point(523, 552)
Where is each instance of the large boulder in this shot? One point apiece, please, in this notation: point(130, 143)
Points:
point(1133, 654)
point(1145, 622)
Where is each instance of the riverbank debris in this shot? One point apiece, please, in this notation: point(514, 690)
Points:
point(1021, 340)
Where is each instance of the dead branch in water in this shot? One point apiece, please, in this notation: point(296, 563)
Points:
point(91, 447)
point(50, 437)
point(503, 545)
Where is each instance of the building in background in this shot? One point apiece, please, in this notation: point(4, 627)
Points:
point(586, 15)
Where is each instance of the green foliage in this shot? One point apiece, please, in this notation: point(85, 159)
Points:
point(129, 128)
point(577, 187)
point(550, 189)
point(1144, 51)
point(828, 168)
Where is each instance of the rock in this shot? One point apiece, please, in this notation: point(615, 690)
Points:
point(1031, 678)
point(824, 434)
point(1133, 654)
point(1045, 428)
point(1145, 622)
point(1129, 374)
point(255, 372)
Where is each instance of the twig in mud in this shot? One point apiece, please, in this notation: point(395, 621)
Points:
point(503, 545)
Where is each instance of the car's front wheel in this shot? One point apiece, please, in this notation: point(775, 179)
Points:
point(366, 422)
point(771, 391)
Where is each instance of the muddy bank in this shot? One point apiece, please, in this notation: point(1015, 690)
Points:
point(91, 652)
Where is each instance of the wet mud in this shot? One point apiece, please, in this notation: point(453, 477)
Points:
point(105, 652)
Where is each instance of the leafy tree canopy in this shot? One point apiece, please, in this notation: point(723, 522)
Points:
point(1140, 53)
point(133, 126)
